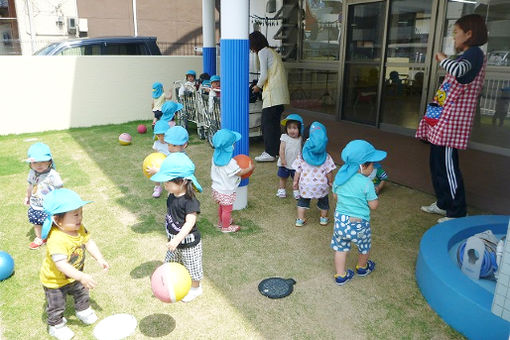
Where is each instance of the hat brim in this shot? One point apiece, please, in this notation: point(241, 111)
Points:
point(65, 208)
point(38, 159)
point(160, 177)
point(313, 159)
point(377, 156)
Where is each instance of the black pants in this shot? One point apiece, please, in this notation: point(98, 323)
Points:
point(56, 301)
point(271, 131)
point(447, 180)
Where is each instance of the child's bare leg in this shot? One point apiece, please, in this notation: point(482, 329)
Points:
point(363, 259)
point(340, 257)
point(324, 213)
point(195, 284)
point(37, 230)
point(301, 213)
point(283, 182)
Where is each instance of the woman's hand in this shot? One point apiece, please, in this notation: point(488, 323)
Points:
point(440, 56)
point(255, 89)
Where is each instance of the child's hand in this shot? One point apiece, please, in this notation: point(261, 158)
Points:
point(26, 201)
point(251, 166)
point(172, 245)
point(440, 56)
point(151, 170)
point(154, 121)
point(87, 281)
point(103, 264)
point(255, 89)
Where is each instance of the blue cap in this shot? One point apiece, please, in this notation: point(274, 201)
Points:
point(191, 72)
point(176, 165)
point(223, 143)
point(206, 83)
point(354, 154)
point(157, 90)
point(214, 78)
point(169, 109)
point(161, 127)
point(39, 152)
point(314, 150)
point(59, 201)
point(176, 135)
point(294, 117)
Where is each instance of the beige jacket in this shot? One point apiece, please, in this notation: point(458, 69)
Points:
point(275, 90)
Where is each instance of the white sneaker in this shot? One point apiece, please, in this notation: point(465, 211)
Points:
point(87, 316)
point(61, 331)
point(265, 157)
point(193, 293)
point(444, 219)
point(281, 193)
point(433, 209)
point(296, 194)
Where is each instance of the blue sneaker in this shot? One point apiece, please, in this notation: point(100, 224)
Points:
point(300, 222)
point(367, 270)
point(341, 280)
point(323, 221)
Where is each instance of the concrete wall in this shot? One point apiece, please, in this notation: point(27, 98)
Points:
point(56, 93)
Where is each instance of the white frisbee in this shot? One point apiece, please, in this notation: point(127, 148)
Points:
point(115, 327)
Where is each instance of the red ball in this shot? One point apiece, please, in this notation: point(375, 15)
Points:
point(244, 162)
point(141, 128)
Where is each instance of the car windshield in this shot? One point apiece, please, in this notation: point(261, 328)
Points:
point(46, 50)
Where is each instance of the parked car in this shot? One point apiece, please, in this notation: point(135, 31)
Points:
point(103, 46)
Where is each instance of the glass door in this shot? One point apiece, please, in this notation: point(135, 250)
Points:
point(363, 55)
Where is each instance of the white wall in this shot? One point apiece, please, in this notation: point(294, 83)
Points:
point(57, 93)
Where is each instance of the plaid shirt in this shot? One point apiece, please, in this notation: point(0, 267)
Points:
point(454, 126)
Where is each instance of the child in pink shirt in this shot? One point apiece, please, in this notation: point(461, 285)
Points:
point(314, 174)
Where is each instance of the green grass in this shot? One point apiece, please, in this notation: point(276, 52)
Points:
point(128, 226)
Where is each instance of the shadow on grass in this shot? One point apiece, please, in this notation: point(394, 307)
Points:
point(145, 269)
point(157, 325)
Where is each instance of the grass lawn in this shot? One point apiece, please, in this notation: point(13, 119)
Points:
point(128, 226)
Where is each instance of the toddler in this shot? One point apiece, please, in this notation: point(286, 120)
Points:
point(290, 148)
point(190, 83)
point(158, 99)
point(355, 195)
point(62, 269)
point(160, 146)
point(314, 174)
point(378, 176)
point(42, 178)
point(177, 139)
point(169, 109)
point(226, 176)
point(214, 91)
point(184, 241)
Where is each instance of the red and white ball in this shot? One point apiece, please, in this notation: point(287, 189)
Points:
point(125, 139)
point(170, 282)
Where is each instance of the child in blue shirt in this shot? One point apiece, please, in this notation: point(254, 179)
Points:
point(378, 177)
point(355, 195)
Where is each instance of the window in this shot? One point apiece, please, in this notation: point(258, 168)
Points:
point(125, 49)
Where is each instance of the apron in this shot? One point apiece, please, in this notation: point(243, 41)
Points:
point(275, 90)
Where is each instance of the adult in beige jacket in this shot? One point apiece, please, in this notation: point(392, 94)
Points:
point(273, 82)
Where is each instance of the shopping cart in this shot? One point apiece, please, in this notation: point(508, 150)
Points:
point(193, 107)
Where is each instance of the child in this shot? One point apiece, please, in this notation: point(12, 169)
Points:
point(158, 99)
point(168, 110)
point(226, 176)
point(355, 195)
point(290, 148)
point(214, 91)
point(42, 178)
point(62, 268)
point(314, 174)
point(448, 122)
point(190, 83)
point(177, 139)
point(160, 146)
point(184, 241)
point(379, 177)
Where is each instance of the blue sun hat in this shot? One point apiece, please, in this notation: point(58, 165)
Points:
point(169, 109)
point(161, 127)
point(176, 135)
point(223, 143)
point(214, 78)
point(192, 73)
point(38, 152)
point(59, 201)
point(157, 90)
point(177, 165)
point(206, 83)
point(294, 117)
point(314, 150)
point(354, 154)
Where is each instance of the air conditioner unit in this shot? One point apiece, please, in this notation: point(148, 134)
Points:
point(83, 25)
point(71, 25)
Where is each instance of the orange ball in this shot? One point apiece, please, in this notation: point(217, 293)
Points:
point(244, 162)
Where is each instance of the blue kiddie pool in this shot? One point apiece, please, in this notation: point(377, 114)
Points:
point(463, 303)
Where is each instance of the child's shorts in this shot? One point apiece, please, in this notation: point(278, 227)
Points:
point(157, 114)
point(36, 216)
point(322, 203)
point(191, 258)
point(223, 199)
point(347, 231)
point(283, 172)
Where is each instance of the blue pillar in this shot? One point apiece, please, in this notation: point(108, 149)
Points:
point(209, 37)
point(235, 48)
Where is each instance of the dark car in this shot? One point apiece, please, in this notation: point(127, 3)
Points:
point(103, 46)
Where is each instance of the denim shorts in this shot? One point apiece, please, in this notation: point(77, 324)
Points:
point(283, 172)
point(322, 203)
point(346, 231)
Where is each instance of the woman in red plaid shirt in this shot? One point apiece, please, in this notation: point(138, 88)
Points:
point(448, 121)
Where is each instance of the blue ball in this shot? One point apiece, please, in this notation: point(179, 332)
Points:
point(6, 265)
